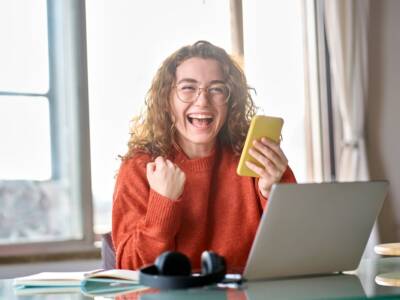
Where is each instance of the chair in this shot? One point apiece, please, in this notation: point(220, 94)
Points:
point(107, 252)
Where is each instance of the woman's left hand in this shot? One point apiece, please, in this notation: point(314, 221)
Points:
point(274, 163)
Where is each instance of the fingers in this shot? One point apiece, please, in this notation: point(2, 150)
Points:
point(269, 154)
point(170, 164)
point(276, 147)
point(165, 177)
point(273, 164)
point(262, 172)
point(150, 168)
point(263, 160)
point(160, 163)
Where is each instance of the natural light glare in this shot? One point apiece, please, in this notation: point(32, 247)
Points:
point(25, 151)
point(24, 49)
point(127, 42)
point(274, 67)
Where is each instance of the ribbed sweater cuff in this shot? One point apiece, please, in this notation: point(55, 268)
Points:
point(163, 216)
point(263, 201)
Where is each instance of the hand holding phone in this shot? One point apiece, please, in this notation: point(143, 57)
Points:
point(260, 126)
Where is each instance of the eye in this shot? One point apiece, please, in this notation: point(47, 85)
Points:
point(187, 88)
point(217, 89)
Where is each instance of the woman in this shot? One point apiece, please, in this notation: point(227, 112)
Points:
point(177, 187)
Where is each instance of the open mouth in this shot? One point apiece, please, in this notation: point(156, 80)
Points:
point(200, 120)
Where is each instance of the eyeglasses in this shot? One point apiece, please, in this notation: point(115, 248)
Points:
point(217, 93)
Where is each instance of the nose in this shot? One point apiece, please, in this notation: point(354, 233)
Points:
point(202, 97)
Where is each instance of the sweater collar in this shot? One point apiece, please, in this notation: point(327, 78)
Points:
point(195, 164)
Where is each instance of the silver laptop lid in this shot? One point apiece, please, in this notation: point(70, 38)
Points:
point(314, 228)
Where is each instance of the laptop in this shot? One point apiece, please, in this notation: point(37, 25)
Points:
point(314, 228)
point(322, 287)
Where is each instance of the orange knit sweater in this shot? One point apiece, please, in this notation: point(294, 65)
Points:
point(217, 211)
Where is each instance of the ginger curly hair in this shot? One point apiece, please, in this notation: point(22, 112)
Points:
point(153, 131)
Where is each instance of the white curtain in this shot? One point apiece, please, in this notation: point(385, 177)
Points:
point(347, 34)
point(346, 24)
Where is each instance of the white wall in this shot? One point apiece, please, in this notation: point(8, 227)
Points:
point(383, 124)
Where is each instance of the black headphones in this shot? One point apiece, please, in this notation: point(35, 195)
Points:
point(172, 270)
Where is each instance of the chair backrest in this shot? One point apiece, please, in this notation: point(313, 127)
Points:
point(107, 252)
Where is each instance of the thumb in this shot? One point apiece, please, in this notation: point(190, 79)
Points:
point(150, 168)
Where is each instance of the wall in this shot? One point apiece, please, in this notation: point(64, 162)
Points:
point(383, 123)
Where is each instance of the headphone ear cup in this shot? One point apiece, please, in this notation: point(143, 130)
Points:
point(173, 264)
point(211, 263)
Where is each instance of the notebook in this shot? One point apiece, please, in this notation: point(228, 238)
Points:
point(96, 282)
point(314, 228)
point(57, 279)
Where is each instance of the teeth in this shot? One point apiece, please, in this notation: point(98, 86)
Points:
point(199, 116)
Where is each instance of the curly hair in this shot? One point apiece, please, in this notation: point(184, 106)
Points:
point(153, 131)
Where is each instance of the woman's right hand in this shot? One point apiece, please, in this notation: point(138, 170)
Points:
point(166, 178)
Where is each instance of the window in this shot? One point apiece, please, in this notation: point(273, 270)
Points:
point(44, 182)
point(273, 49)
point(28, 117)
point(24, 82)
point(123, 58)
point(45, 94)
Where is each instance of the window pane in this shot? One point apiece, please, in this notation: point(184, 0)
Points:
point(32, 204)
point(274, 67)
point(24, 49)
point(36, 211)
point(126, 45)
point(25, 151)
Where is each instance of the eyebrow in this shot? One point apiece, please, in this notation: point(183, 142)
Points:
point(191, 80)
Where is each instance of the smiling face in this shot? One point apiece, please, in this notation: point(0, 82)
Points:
point(199, 122)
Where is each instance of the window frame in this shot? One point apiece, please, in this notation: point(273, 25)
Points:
point(319, 122)
point(68, 88)
point(68, 102)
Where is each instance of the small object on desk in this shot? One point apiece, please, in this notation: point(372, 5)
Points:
point(388, 279)
point(74, 278)
point(48, 283)
point(231, 281)
point(50, 279)
point(392, 249)
point(55, 282)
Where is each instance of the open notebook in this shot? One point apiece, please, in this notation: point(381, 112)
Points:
point(96, 282)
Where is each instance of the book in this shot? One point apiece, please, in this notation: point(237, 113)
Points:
point(120, 275)
point(48, 279)
point(75, 278)
point(92, 282)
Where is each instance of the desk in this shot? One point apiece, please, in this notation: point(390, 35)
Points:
point(362, 286)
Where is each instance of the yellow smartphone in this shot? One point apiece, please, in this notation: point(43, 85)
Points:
point(260, 126)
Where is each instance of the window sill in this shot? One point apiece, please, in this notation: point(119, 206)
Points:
point(90, 253)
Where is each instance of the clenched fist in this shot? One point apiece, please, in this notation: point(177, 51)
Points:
point(166, 178)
